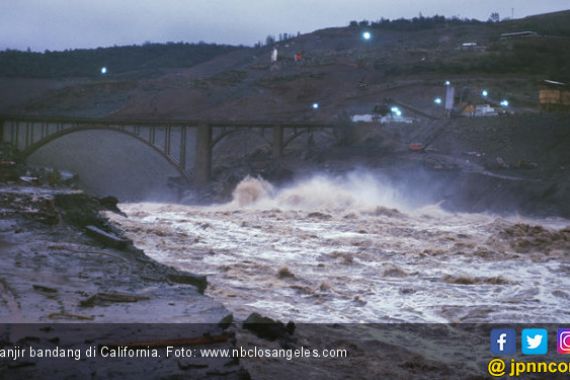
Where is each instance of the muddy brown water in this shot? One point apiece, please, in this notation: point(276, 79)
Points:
point(351, 250)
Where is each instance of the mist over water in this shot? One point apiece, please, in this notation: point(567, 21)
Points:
point(355, 191)
point(351, 248)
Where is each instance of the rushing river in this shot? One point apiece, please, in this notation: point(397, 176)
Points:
point(351, 250)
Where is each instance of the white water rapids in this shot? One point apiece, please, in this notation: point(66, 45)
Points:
point(350, 250)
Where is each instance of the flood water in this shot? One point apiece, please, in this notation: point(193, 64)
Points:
point(350, 249)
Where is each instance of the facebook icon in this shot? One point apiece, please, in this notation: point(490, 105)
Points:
point(503, 342)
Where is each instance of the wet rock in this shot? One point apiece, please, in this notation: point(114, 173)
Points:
point(359, 301)
point(45, 212)
point(467, 280)
point(285, 273)
point(45, 290)
point(384, 211)
point(198, 281)
point(394, 271)
point(319, 215)
point(226, 322)
point(267, 328)
point(79, 209)
point(107, 238)
point(407, 290)
point(484, 253)
point(561, 294)
point(36, 208)
point(346, 257)
point(110, 203)
point(524, 238)
point(70, 316)
point(302, 289)
point(106, 299)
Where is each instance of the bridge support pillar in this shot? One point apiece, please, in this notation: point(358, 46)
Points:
point(277, 142)
point(203, 155)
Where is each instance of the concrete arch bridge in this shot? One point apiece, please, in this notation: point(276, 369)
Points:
point(186, 144)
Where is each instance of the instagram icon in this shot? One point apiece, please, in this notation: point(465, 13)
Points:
point(563, 341)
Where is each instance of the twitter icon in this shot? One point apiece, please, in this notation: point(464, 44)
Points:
point(534, 341)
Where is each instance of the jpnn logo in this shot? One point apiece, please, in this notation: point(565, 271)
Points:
point(503, 341)
point(534, 341)
point(563, 341)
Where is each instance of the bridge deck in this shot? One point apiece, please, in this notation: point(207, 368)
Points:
point(163, 122)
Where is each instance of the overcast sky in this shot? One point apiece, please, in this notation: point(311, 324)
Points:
point(62, 24)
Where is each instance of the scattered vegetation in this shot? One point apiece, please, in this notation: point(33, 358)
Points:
point(225, 78)
point(550, 24)
point(118, 59)
point(270, 40)
point(416, 23)
point(545, 57)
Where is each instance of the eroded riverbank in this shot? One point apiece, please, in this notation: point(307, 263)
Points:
point(53, 272)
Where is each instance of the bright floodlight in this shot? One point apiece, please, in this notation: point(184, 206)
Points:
point(396, 111)
point(366, 35)
point(504, 103)
point(447, 83)
point(103, 70)
point(484, 93)
point(315, 106)
point(437, 101)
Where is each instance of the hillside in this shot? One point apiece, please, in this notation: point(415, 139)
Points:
point(404, 60)
point(122, 59)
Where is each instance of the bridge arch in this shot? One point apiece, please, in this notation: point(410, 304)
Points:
point(294, 136)
point(24, 154)
point(222, 135)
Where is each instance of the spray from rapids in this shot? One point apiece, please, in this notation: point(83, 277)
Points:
point(352, 249)
point(354, 192)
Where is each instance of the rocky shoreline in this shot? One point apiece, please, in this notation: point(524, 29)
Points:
point(62, 262)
